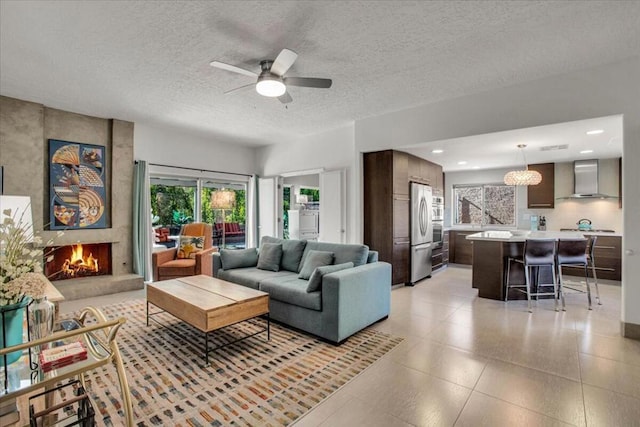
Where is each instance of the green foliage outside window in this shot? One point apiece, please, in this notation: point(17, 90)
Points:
point(172, 205)
point(314, 195)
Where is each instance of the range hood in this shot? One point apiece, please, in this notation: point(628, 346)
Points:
point(585, 181)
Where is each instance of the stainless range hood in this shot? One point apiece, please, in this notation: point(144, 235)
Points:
point(585, 181)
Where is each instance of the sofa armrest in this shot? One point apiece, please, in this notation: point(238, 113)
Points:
point(357, 297)
point(159, 258)
point(204, 261)
point(217, 263)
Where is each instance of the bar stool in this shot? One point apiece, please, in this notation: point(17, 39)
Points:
point(591, 260)
point(573, 252)
point(537, 253)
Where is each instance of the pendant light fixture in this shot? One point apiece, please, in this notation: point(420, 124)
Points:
point(523, 177)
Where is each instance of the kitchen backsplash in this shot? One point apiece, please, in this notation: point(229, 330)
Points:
point(604, 214)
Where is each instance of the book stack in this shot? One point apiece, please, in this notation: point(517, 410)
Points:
point(57, 357)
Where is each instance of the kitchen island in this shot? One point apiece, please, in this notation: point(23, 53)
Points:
point(490, 252)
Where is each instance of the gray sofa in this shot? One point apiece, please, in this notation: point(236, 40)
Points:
point(346, 301)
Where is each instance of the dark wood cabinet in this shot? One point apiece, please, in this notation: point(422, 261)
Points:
point(400, 261)
point(608, 259)
point(400, 173)
point(542, 196)
point(387, 204)
point(461, 249)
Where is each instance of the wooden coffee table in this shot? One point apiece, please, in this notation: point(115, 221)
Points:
point(207, 304)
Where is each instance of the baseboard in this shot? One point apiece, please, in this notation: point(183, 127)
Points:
point(630, 330)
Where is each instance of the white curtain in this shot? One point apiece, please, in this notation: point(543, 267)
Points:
point(142, 229)
point(252, 213)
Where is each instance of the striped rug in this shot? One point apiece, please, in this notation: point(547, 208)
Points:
point(251, 383)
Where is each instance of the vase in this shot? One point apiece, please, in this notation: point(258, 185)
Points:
point(12, 318)
point(41, 315)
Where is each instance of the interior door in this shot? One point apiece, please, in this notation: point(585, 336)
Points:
point(269, 207)
point(332, 206)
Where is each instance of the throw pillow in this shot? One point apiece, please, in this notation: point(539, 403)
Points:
point(189, 245)
point(238, 258)
point(315, 281)
point(269, 258)
point(313, 260)
point(292, 251)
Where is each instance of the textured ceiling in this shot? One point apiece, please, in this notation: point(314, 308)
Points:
point(149, 61)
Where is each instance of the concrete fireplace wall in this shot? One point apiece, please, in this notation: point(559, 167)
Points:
point(25, 128)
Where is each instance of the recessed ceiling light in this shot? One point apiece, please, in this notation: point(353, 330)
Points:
point(586, 151)
point(462, 162)
point(595, 132)
point(476, 167)
point(437, 151)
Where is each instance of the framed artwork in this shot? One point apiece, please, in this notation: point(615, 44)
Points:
point(77, 179)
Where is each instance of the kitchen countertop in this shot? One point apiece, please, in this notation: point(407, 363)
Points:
point(479, 230)
point(506, 236)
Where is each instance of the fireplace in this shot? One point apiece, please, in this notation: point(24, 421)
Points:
point(77, 261)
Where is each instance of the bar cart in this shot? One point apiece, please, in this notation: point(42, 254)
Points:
point(99, 339)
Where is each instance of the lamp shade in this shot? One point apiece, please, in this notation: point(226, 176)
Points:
point(523, 177)
point(18, 208)
point(223, 199)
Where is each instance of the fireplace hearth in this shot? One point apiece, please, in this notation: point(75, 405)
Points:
point(78, 261)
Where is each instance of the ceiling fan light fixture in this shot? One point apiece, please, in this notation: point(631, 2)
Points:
point(270, 86)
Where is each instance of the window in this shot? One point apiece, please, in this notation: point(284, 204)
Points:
point(490, 204)
point(176, 201)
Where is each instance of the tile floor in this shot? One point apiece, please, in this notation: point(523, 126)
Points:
point(468, 361)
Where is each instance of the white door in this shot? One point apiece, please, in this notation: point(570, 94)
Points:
point(269, 207)
point(332, 206)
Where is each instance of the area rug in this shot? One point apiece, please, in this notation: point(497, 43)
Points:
point(249, 383)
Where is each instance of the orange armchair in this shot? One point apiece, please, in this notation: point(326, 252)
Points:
point(167, 266)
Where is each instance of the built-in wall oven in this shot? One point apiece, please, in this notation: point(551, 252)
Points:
point(438, 219)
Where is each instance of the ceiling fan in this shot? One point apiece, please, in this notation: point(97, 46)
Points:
point(271, 81)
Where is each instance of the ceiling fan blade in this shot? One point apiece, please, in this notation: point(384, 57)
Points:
point(232, 68)
point(283, 62)
point(286, 98)
point(308, 82)
point(240, 88)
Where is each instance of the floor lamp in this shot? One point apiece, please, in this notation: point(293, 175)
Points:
point(223, 200)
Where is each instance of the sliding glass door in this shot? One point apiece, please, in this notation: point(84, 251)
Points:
point(176, 201)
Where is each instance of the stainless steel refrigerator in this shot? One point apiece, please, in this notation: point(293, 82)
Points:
point(421, 231)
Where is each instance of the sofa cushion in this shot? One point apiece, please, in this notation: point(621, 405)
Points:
point(292, 251)
point(315, 281)
point(270, 256)
point(357, 254)
point(251, 276)
point(313, 260)
point(189, 245)
point(372, 257)
point(238, 258)
point(292, 291)
point(178, 267)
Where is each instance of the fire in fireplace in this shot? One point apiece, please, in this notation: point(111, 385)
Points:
point(80, 260)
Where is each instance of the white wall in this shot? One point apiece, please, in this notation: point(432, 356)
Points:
point(597, 92)
point(175, 148)
point(333, 149)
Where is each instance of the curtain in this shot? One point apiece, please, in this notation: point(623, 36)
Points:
point(142, 230)
point(252, 212)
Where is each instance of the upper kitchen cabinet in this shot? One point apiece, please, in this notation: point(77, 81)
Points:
point(542, 196)
point(426, 172)
point(400, 172)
